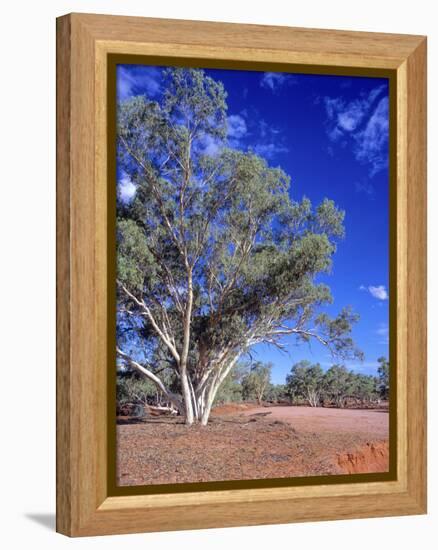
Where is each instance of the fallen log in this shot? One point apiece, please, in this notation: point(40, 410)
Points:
point(156, 410)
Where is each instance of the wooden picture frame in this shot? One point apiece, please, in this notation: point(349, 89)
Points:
point(85, 506)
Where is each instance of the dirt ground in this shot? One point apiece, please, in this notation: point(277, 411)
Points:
point(252, 443)
point(371, 422)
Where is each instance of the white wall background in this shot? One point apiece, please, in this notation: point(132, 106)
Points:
point(27, 255)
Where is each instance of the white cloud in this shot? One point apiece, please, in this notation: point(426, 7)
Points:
point(383, 333)
point(137, 81)
point(382, 330)
point(335, 134)
point(363, 124)
point(208, 145)
point(127, 188)
point(372, 141)
point(349, 119)
point(236, 127)
point(125, 84)
point(270, 141)
point(364, 187)
point(346, 116)
point(269, 150)
point(274, 81)
point(249, 131)
point(379, 292)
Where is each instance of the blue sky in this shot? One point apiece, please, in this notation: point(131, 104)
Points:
point(330, 134)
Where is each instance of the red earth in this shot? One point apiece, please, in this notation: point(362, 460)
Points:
point(374, 422)
point(247, 442)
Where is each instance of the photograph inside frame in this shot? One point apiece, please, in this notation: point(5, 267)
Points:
point(252, 275)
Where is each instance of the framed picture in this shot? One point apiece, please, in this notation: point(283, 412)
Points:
point(241, 284)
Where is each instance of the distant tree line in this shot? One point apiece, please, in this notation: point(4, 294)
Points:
point(307, 384)
point(338, 386)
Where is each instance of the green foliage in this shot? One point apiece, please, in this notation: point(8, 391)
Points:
point(364, 388)
point(336, 331)
point(134, 257)
point(244, 382)
point(134, 390)
point(256, 382)
point(230, 390)
point(277, 393)
point(337, 385)
point(383, 373)
point(305, 382)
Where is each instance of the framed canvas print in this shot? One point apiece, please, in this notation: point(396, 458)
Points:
point(241, 231)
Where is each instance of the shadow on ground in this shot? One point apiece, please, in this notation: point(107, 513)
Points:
point(124, 420)
point(46, 520)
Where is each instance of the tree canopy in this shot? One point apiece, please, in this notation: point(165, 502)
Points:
point(305, 380)
point(337, 385)
point(256, 382)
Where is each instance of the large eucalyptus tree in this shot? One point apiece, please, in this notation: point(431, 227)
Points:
point(213, 255)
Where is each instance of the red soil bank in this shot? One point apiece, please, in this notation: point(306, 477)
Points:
point(372, 457)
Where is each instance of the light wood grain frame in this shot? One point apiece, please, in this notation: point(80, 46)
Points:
point(84, 506)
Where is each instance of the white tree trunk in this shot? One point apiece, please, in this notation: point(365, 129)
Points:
point(187, 399)
point(313, 398)
point(208, 404)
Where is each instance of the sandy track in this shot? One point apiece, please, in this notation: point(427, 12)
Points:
point(374, 422)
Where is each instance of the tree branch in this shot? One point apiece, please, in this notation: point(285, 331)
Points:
point(175, 399)
point(154, 323)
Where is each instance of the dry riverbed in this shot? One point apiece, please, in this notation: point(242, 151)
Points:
point(252, 443)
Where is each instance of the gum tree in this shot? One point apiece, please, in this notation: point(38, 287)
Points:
point(339, 384)
point(306, 381)
point(213, 254)
point(256, 382)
